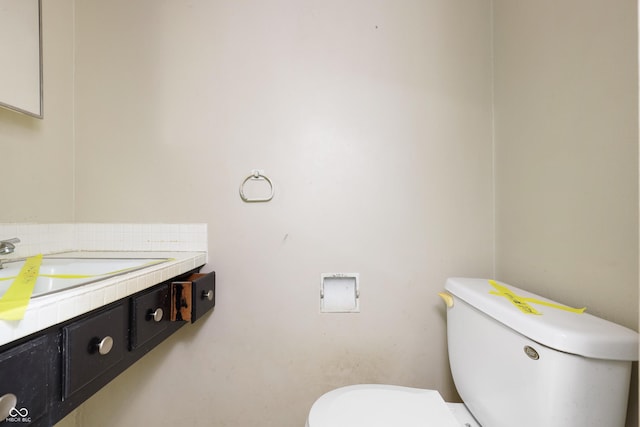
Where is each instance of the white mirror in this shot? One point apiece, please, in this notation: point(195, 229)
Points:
point(21, 56)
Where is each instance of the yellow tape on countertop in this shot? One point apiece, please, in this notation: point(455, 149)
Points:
point(13, 303)
point(89, 276)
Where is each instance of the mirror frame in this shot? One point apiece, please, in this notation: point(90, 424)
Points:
point(40, 111)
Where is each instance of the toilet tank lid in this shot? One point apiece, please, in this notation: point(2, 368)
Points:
point(547, 322)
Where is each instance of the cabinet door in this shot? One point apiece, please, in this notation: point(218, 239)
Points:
point(91, 347)
point(150, 314)
point(24, 382)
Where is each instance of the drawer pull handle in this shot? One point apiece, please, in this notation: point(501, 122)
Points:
point(207, 295)
point(105, 345)
point(7, 403)
point(155, 315)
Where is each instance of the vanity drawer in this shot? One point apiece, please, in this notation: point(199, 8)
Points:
point(91, 347)
point(192, 298)
point(150, 314)
point(203, 294)
point(24, 382)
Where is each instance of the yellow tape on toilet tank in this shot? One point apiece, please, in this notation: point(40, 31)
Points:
point(13, 303)
point(521, 302)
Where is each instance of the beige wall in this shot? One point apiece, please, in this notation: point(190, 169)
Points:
point(36, 156)
point(566, 144)
point(378, 140)
point(566, 114)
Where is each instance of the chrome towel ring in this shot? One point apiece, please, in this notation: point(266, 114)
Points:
point(256, 175)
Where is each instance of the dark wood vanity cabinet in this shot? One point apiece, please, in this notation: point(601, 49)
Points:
point(45, 376)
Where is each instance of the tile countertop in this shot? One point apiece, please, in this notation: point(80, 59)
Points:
point(51, 309)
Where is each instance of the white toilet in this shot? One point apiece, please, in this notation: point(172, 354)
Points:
point(517, 359)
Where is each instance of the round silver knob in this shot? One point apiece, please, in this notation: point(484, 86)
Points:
point(7, 403)
point(207, 295)
point(156, 315)
point(105, 345)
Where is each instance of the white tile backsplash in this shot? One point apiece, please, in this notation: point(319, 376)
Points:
point(52, 238)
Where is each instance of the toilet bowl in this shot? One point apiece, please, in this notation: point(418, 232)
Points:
point(374, 405)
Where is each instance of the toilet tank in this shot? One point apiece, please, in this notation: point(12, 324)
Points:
point(518, 359)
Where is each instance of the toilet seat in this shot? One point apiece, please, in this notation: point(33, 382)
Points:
point(373, 405)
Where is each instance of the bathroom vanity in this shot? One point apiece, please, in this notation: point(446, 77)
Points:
point(48, 373)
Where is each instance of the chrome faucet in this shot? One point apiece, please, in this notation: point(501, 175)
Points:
point(7, 247)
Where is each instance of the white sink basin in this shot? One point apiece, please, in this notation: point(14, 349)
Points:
point(58, 274)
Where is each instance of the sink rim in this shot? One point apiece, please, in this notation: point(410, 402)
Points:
point(82, 281)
